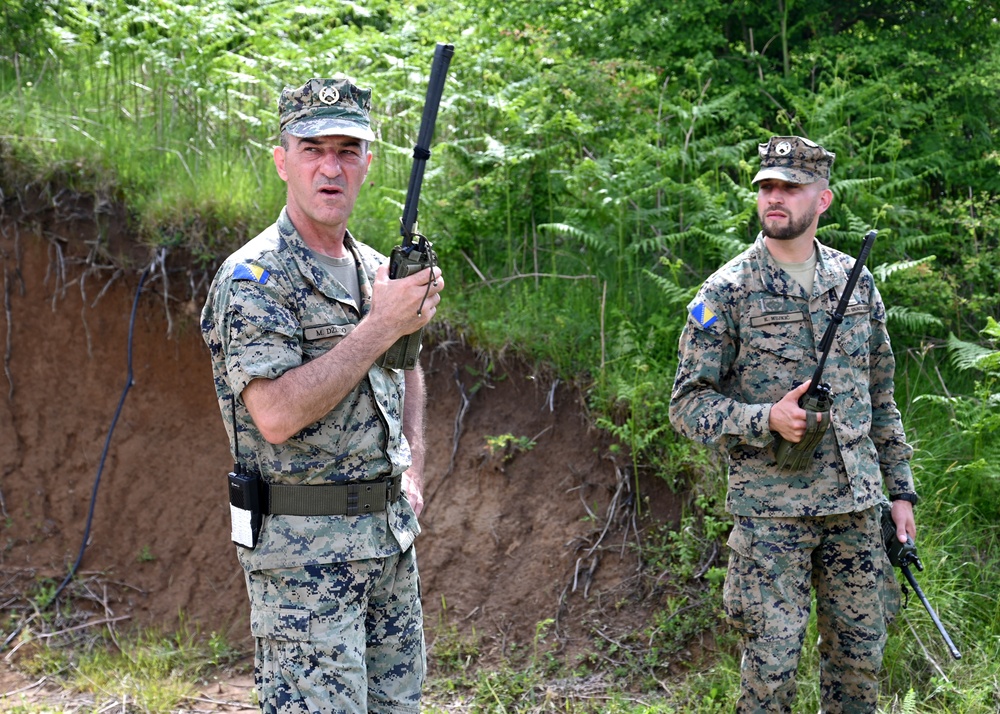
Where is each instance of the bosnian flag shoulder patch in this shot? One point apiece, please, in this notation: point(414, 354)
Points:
point(703, 315)
point(250, 271)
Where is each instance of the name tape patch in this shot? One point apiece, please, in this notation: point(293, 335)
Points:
point(776, 318)
point(322, 332)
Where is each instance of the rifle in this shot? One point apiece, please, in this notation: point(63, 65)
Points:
point(409, 258)
point(901, 555)
point(817, 399)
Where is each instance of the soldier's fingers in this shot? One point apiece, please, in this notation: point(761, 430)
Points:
point(801, 389)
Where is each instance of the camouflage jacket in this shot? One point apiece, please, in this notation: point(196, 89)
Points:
point(270, 309)
point(752, 336)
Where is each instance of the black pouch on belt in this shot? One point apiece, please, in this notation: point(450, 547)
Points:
point(245, 507)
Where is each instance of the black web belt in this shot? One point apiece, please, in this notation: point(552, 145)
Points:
point(330, 499)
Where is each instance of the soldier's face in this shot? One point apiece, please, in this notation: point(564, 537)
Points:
point(324, 176)
point(789, 210)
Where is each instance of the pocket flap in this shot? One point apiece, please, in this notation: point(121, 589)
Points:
point(740, 540)
point(280, 623)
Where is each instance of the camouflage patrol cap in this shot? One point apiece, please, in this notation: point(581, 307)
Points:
point(793, 159)
point(323, 107)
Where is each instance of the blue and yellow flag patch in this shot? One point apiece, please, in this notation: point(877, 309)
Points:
point(703, 315)
point(249, 271)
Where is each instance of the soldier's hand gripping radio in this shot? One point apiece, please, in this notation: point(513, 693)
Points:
point(817, 399)
point(411, 257)
point(407, 259)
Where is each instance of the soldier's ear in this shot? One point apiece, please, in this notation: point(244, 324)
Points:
point(825, 199)
point(279, 162)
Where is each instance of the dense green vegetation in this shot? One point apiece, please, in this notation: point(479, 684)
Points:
point(591, 167)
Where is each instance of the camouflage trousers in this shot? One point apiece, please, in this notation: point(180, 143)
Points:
point(774, 563)
point(339, 637)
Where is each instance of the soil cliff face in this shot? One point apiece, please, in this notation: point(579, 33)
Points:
point(511, 537)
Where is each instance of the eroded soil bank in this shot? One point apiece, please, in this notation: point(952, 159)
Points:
point(510, 539)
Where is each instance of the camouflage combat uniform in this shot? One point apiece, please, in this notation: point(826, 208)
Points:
point(751, 337)
point(323, 589)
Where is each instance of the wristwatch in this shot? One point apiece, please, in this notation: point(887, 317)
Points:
point(911, 497)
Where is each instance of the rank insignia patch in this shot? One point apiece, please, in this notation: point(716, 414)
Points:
point(703, 315)
point(249, 271)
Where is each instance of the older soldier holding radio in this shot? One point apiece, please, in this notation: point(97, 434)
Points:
point(296, 321)
point(751, 337)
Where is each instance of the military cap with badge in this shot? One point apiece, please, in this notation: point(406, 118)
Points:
point(794, 159)
point(325, 107)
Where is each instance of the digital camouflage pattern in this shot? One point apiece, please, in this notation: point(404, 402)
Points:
point(793, 159)
point(752, 335)
point(767, 599)
point(272, 308)
point(334, 600)
point(339, 638)
point(750, 338)
point(323, 107)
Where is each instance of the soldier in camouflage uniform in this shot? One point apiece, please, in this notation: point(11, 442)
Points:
point(747, 353)
point(295, 321)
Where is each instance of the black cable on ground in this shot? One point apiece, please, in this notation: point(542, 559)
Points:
point(100, 467)
point(107, 443)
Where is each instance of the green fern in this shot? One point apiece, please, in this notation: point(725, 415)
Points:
point(917, 241)
point(912, 320)
point(846, 191)
point(599, 243)
point(969, 355)
point(676, 296)
point(660, 242)
point(728, 246)
point(885, 270)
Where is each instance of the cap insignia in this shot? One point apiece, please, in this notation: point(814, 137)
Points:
point(329, 95)
point(782, 148)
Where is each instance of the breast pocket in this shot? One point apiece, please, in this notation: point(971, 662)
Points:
point(854, 338)
point(773, 352)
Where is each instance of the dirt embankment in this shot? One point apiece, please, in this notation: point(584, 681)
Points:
point(509, 539)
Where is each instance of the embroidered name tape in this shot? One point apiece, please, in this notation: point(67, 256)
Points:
point(320, 332)
point(776, 318)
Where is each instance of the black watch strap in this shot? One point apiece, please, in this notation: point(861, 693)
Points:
point(911, 497)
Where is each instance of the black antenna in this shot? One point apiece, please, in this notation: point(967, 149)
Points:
point(422, 151)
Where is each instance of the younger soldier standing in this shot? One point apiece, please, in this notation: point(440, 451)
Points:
point(746, 356)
